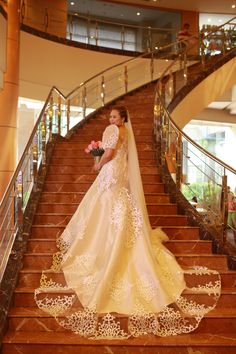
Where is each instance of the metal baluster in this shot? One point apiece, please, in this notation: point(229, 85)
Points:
point(68, 116)
point(103, 90)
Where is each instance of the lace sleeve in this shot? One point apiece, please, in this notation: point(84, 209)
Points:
point(110, 137)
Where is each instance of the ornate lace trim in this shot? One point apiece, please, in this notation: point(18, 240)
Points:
point(126, 214)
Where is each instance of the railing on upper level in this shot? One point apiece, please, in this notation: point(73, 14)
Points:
point(93, 31)
point(61, 113)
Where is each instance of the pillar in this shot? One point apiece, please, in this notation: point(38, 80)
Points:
point(9, 97)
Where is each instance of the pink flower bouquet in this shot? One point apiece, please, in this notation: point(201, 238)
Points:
point(95, 148)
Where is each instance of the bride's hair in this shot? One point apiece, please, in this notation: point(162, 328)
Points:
point(122, 111)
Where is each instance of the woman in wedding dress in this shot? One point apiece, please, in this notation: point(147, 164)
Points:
point(119, 280)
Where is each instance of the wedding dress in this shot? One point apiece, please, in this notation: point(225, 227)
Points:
point(119, 280)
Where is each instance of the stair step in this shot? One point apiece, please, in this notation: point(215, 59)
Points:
point(24, 297)
point(170, 220)
point(157, 198)
point(70, 208)
point(33, 320)
point(84, 186)
point(76, 197)
point(53, 342)
point(71, 169)
point(63, 218)
point(175, 246)
point(31, 277)
point(213, 261)
point(80, 146)
point(145, 154)
point(173, 232)
point(86, 138)
point(55, 175)
point(86, 161)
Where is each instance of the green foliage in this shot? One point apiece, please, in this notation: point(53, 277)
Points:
point(208, 194)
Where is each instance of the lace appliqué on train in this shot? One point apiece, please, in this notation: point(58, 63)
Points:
point(127, 216)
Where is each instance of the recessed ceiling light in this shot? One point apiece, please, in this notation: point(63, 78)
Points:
point(233, 6)
point(72, 3)
point(138, 14)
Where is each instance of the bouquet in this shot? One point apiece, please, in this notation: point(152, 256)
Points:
point(95, 149)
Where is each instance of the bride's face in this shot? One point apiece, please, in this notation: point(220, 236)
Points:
point(115, 118)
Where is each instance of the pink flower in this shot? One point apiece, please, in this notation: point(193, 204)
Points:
point(94, 148)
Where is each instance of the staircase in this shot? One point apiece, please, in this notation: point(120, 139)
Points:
point(69, 176)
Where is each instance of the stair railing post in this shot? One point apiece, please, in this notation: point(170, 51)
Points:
point(96, 33)
point(126, 78)
point(122, 37)
point(68, 116)
point(179, 161)
point(43, 134)
point(103, 90)
point(152, 67)
point(18, 205)
point(185, 69)
point(59, 115)
point(84, 101)
point(224, 206)
point(49, 112)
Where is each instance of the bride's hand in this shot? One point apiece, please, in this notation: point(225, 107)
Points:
point(96, 167)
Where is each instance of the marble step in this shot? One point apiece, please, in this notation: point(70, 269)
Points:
point(144, 154)
point(213, 261)
point(84, 186)
point(77, 169)
point(76, 197)
point(24, 297)
point(64, 218)
point(87, 129)
point(49, 342)
point(173, 232)
point(157, 198)
point(98, 126)
point(35, 320)
point(80, 146)
point(90, 177)
point(87, 137)
point(175, 246)
point(55, 208)
point(86, 161)
point(31, 278)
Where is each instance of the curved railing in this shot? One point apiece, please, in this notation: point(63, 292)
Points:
point(202, 178)
point(61, 113)
point(92, 31)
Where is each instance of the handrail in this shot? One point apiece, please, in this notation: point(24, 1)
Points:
point(61, 113)
point(172, 154)
point(196, 145)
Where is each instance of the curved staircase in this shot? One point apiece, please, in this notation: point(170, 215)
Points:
point(69, 176)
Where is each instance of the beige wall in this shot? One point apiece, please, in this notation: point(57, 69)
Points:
point(206, 92)
point(44, 64)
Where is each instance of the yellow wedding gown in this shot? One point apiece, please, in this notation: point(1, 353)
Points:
point(118, 278)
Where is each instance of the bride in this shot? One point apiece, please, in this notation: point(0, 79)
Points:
point(113, 277)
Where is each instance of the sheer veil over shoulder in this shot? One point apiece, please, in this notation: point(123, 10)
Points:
point(112, 276)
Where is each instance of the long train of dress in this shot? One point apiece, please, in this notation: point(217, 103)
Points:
point(119, 280)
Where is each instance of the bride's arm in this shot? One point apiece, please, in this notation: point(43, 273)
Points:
point(106, 157)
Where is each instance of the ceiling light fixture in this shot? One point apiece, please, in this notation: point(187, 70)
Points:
point(72, 3)
point(138, 14)
point(233, 6)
